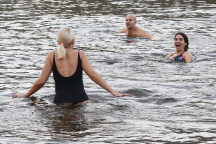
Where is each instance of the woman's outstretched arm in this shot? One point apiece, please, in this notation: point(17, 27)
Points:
point(47, 69)
point(96, 77)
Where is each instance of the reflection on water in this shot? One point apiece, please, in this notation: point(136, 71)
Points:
point(169, 103)
point(63, 120)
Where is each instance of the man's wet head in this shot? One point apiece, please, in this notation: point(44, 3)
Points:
point(130, 21)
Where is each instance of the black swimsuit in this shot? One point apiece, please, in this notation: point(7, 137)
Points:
point(69, 89)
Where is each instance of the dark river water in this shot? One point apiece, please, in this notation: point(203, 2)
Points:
point(170, 103)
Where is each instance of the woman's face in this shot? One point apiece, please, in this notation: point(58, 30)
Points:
point(179, 43)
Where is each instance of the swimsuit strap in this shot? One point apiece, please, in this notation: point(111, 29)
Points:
point(182, 53)
point(54, 58)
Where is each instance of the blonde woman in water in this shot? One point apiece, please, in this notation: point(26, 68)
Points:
point(67, 66)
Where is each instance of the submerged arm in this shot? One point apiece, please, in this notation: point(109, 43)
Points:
point(169, 54)
point(123, 30)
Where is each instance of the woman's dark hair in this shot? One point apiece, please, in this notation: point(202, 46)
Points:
point(185, 39)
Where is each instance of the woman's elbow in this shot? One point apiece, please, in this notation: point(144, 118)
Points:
point(40, 83)
point(92, 75)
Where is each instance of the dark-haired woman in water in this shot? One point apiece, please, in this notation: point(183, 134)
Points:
point(181, 44)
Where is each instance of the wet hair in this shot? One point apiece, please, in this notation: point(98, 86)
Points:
point(64, 38)
point(185, 39)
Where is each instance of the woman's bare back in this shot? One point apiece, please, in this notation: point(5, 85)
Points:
point(67, 66)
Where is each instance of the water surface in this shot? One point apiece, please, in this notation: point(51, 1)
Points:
point(169, 103)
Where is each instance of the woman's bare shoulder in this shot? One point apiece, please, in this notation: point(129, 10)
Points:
point(187, 56)
point(51, 54)
point(187, 53)
point(82, 54)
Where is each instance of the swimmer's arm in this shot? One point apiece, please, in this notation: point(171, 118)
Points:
point(47, 69)
point(187, 57)
point(169, 54)
point(96, 77)
point(123, 30)
point(145, 34)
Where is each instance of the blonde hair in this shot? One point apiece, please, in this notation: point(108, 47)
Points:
point(64, 38)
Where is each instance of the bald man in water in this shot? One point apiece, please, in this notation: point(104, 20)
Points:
point(132, 30)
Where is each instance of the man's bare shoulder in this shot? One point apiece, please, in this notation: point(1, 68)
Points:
point(143, 33)
point(123, 30)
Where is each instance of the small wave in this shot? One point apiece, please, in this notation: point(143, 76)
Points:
point(111, 60)
point(156, 99)
point(166, 100)
point(10, 59)
point(140, 92)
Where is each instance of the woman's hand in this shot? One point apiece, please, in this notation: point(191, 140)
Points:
point(19, 95)
point(117, 94)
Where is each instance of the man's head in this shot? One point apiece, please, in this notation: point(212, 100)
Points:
point(130, 21)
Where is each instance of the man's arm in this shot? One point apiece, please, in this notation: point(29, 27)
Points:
point(145, 34)
point(123, 30)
